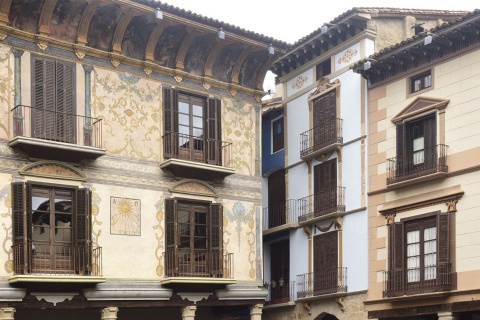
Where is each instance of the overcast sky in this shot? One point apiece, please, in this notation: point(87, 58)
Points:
point(289, 21)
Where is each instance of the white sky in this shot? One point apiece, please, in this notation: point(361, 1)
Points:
point(289, 21)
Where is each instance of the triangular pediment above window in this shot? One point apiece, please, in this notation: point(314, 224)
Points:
point(419, 106)
point(194, 187)
point(323, 85)
point(53, 169)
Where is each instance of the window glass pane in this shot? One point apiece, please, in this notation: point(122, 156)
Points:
point(198, 132)
point(183, 130)
point(198, 122)
point(428, 81)
point(198, 110)
point(183, 119)
point(183, 107)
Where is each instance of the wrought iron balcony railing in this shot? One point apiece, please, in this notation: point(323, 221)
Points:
point(280, 214)
point(280, 292)
point(321, 203)
point(320, 137)
point(57, 260)
point(57, 126)
point(322, 282)
point(406, 167)
point(434, 278)
point(197, 149)
point(198, 263)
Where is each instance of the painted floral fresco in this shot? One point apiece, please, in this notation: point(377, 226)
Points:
point(136, 37)
point(251, 68)
point(131, 112)
point(168, 44)
point(103, 25)
point(6, 89)
point(223, 66)
point(197, 54)
point(65, 19)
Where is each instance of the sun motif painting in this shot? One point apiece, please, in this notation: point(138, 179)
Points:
point(125, 216)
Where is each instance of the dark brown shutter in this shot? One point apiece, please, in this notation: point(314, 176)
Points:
point(82, 231)
point(276, 199)
point(216, 240)
point(397, 246)
point(38, 103)
point(170, 122)
point(171, 256)
point(325, 187)
point(443, 235)
point(18, 213)
point(325, 260)
point(214, 131)
point(22, 226)
point(430, 133)
point(325, 119)
point(65, 102)
point(400, 165)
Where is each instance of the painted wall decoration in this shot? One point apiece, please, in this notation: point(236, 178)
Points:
point(159, 235)
point(136, 36)
point(6, 89)
point(65, 19)
point(25, 14)
point(168, 44)
point(223, 66)
point(197, 54)
point(238, 127)
point(103, 25)
point(251, 68)
point(125, 216)
point(5, 198)
point(131, 112)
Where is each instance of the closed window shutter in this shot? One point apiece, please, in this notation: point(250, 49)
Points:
point(39, 99)
point(170, 122)
point(430, 132)
point(22, 230)
point(325, 261)
point(214, 131)
point(82, 230)
point(325, 186)
point(216, 240)
point(443, 236)
point(401, 156)
point(171, 257)
point(397, 246)
point(65, 101)
point(276, 199)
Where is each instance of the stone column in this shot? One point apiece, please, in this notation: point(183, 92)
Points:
point(109, 313)
point(256, 312)
point(7, 313)
point(447, 316)
point(188, 312)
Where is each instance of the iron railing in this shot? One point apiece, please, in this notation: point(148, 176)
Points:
point(280, 292)
point(434, 278)
point(57, 126)
point(280, 214)
point(406, 167)
point(197, 149)
point(321, 203)
point(322, 282)
point(56, 260)
point(198, 263)
point(320, 137)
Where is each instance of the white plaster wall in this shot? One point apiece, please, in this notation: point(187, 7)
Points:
point(297, 122)
point(300, 82)
point(264, 192)
point(352, 175)
point(298, 181)
point(350, 108)
point(369, 47)
point(355, 250)
point(298, 253)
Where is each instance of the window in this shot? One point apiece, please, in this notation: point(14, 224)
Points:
point(192, 127)
point(325, 120)
point(276, 199)
point(280, 271)
point(194, 233)
point(324, 68)
point(325, 187)
point(420, 82)
point(325, 261)
point(277, 134)
point(53, 237)
point(419, 255)
point(53, 99)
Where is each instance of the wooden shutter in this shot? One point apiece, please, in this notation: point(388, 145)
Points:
point(171, 256)
point(216, 240)
point(397, 246)
point(22, 226)
point(325, 119)
point(276, 199)
point(325, 259)
point(82, 231)
point(214, 131)
point(65, 101)
point(170, 123)
point(39, 99)
point(430, 134)
point(325, 187)
point(400, 165)
point(443, 236)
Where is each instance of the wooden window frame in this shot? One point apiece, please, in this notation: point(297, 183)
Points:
point(278, 138)
point(424, 84)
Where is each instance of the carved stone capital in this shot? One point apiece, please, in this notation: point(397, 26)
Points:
point(390, 217)
point(452, 205)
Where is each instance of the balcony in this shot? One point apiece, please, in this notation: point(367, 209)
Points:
point(196, 157)
point(56, 263)
point(322, 204)
point(55, 135)
point(322, 282)
point(280, 292)
point(427, 165)
point(320, 140)
point(281, 215)
point(436, 278)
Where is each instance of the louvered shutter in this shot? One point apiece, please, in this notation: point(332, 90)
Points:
point(216, 240)
point(400, 165)
point(82, 231)
point(65, 103)
point(443, 235)
point(325, 187)
point(171, 256)
point(325, 259)
point(170, 123)
point(214, 131)
point(22, 226)
point(276, 199)
point(430, 133)
point(38, 103)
